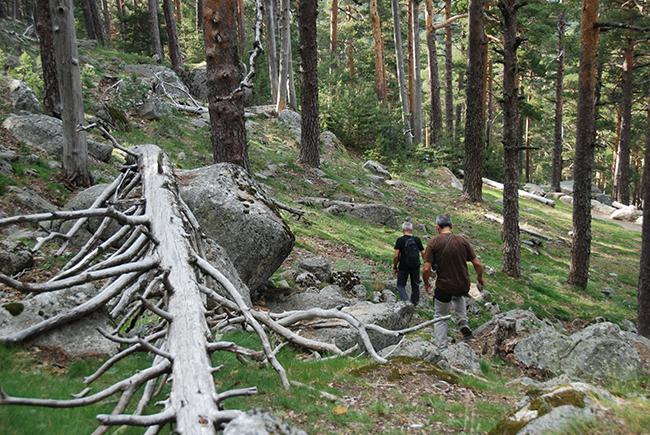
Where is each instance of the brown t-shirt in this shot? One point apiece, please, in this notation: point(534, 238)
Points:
point(453, 276)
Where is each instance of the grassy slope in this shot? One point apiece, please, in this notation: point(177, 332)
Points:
point(384, 399)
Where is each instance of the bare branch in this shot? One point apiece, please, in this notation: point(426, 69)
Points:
point(229, 346)
point(154, 309)
point(76, 214)
point(250, 391)
point(164, 417)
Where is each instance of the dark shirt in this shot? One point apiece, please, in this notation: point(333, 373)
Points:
point(453, 276)
point(401, 244)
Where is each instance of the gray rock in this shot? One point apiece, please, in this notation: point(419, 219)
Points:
point(14, 257)
point(377, 169)
point(29, 200)
point(370, 192)
point(293, 121)
point(46, 133)
point(398, 184)
point(602, 198)
point(629, 326)
point(197, 82)
point(556, 421)
point(376, 179)
point(629, 213)
point(218, 257)
point(79, 338)
point(319, 266)
point(5, 167)
point(23, 99)
point(388, 296)
point(493, 308)
point(607, 291)
point(534, 189)
point(443, 177)
point(259, 423)
point(376, 297)
point(151, 109)
point(472, 307)
point(327, 298)
point(306, 279)
point(419, 349)
point(462, 357)
point(390, 316)
point(83, 200)
point(11, 62)
point(639, 220)
point(237, 213)
point(567, 199)
point(359, 291)
point(152, 74)
point(329, 141)
point(567, 188)
point(521, 322)
point(599, 352)
point(379, 214)
point(599, 207)
point(346, 279)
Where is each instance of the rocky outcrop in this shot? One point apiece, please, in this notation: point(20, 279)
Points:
point(79, 338)
point(197, 82)
point(46, 133)
point(259, 423)
point(629, 213)
point(14, 257)
point(461, 356)
point(319, 266)
point(29, 201)
point(602, 208)
point(377, 169)
point(326, 298)
point(23, 99)
point(234, 211)
point(443, 177)
point(413, 348)
point(293, 121)
point(393, 316)
point(379, 214)
point(218, 257)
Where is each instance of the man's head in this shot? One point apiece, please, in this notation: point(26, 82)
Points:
point(407, 227)
point(443, 221)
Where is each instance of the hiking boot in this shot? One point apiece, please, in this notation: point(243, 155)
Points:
point(467, 333)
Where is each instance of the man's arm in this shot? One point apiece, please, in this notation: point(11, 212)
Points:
point(395, 260)
point(426, 275)
point(478, 267)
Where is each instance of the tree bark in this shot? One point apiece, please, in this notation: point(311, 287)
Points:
point(310, 132)
point(119, 5)
point(272, 49)
point(623, 162)
point(434, 79)
point(490, 106)
point(378, 45)
point(285, 64)
point(474, 122)
point(459, 107)
point(559, 89)
point(585, 144)
point(511, 249)
point(411, 62)
point(241, 27)
point(417, 81)
point(449, 97)
point(172, 36)
point(51, 99)
point(401, 82)
point(644, 275)
point(178, 12)
point(334, 19)
point(75, 147)
point(96, 17)
point(223, 77)
point(89, 24)
point(293, 98)
point(108, 19)
point(154, 30)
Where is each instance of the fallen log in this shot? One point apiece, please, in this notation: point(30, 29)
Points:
point(523, 228)
point(522, 193)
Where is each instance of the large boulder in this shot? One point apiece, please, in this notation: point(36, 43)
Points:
point(443, 177)
point(218, 257)
point(161, 79)
point(319, 266)
point(602, 208)
point(567, 187)
point(46, 133)
point(23, 99)
point(79, 338)
point(259, 423)
point(602, 198)
point(461, 356)
point(329, 141)
point(535, 189)
point(197, 82)
point(379, 214)
point(29, 201)
point(14, 257)
point(326, 298)
point(393, 316)
point(293, 121)
point(80, 201)
point(629, 213)
point(377, 169)
point(236, 212)
point(413, 348)
point(599, 352)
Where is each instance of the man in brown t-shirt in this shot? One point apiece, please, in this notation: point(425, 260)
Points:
point(450, 253)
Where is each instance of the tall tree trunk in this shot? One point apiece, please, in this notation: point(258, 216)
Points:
point(172, 36)
point(108, 20)
point(89, 24)
point(199, 15)
point(417, 81)
point(75, 146)
point(411, 62)
point(293, 98)
point(585, 144)
point(490, 105)
point(511, 250)
point(334, 19)
point(272, 49)
point(449, 96)
point(459, 107)
point(310, 136)
point(434, 79)
point(285, 65)
point(154, 31)
point(623, 162)
point(223, 74)
point(119, 5)
point(559, 106)
point(241, 27)
point(644, 275)
point(96, 16)
point(178, 12)
point(399, 57)
point(51, 99)
point(378, 44)
point(474, 122)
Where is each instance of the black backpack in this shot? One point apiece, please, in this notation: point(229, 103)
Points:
point(410, 255)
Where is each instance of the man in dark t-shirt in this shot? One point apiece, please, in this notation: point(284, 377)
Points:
point(406, 263)
point(450, 253)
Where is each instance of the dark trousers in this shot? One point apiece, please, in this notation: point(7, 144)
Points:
point(414, 275)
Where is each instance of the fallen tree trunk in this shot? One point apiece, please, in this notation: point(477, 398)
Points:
point(523, 228)
point(522, 193)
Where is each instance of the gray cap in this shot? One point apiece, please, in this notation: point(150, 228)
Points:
point(443, 220)
point(407, 226)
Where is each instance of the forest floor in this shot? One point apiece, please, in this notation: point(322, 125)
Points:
point(403, 396)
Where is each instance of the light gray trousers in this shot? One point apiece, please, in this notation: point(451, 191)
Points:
point(443, 309)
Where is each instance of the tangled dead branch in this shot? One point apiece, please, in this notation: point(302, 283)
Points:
point(154, 265)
